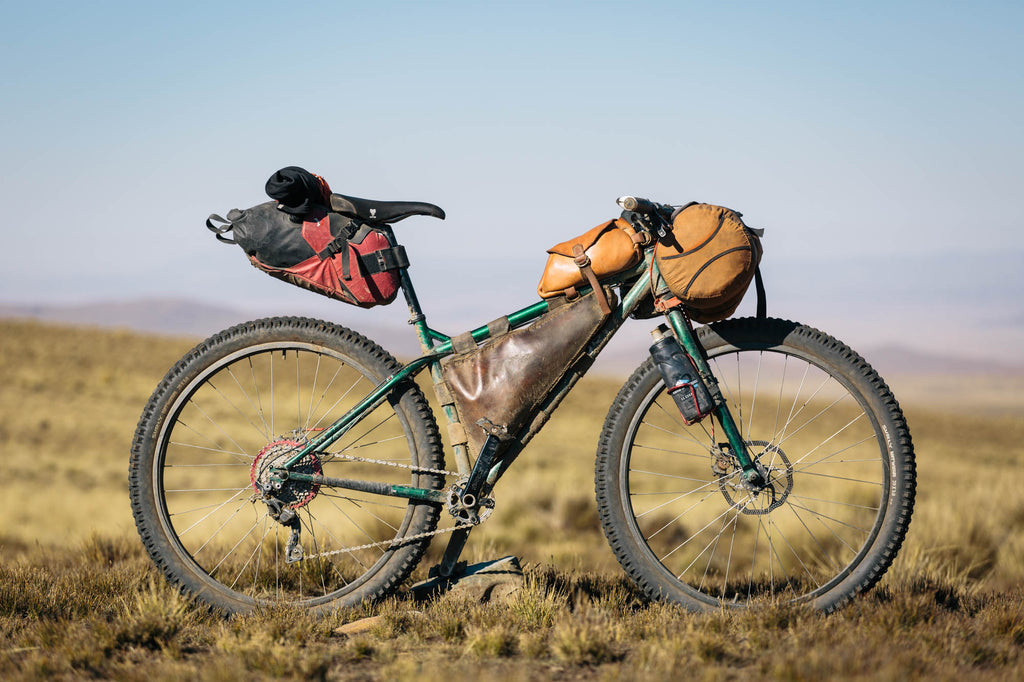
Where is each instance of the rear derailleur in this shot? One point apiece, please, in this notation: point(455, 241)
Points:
point(287, 517)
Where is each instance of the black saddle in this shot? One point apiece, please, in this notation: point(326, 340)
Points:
point(370, 211)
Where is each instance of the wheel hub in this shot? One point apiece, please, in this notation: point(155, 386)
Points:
point(762, 499)
point(292, 493)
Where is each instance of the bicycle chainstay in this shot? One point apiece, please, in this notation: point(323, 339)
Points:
point(391, 544)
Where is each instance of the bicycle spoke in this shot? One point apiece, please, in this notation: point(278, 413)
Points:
point(235, 408)
point(215, 424)
point(810, 421)
point(804, 472)
point(213, 571)
point(219, 529)
point(208, 466)
point(255, 552)
point(312, 391)
point(838, 452)
point(672, 452)
point(217, 449)
point(218, 508)
point(826, 527)
point(330, 410)
point(711, 555)
point(732, 545)
point(259, 554)
point(259, 398)
point(266, 428)
point(677, 516)
point(731, 508)
point(319, 402)
point(814, 538)
point(796, 555)
point(820, 516)
point(753, 398)
point(844, 504)
point(709, 524)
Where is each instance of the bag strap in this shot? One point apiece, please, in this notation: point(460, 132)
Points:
point(762, 307)
point(219, 230)
point(383, 260)
point(582, 261)
point(372, 263)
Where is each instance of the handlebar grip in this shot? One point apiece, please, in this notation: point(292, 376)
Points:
point(638, 205)
point(627, 203)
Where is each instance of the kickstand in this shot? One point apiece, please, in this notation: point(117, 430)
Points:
point(450, 560)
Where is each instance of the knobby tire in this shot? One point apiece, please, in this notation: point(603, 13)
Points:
point(833, 439)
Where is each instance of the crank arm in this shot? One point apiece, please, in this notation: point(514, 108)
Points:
point(481, 469)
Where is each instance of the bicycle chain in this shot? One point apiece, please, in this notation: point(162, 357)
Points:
point(386, 462)
point(389, 543)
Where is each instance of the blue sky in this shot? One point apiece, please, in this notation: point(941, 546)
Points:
point(879, 144)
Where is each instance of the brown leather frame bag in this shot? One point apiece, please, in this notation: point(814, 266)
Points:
point(496, 386)
point(708, 260)
point(609, 248)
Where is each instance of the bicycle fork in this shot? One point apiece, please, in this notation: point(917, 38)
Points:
point(753, 472)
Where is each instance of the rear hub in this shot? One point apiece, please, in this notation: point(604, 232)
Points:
point(291, 493)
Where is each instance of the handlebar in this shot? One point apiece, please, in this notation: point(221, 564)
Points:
point(656, 216)
point(640, 205)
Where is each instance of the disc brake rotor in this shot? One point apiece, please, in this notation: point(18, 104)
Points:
point(753, 501)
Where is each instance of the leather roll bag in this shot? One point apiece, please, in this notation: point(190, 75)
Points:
point(611, 247)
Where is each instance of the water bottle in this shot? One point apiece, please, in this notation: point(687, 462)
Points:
point(681, 377)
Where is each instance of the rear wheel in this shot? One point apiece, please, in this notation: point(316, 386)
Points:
point(243, 402)
point(674, 504)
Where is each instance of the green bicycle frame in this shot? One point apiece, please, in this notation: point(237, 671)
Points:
point(437, 345)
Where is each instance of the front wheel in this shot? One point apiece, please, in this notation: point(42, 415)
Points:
point(681, 519)
point(238, 406)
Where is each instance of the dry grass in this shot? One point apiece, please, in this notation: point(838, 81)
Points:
point(78, 597)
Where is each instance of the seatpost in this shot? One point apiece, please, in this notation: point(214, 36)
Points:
point(416, 316)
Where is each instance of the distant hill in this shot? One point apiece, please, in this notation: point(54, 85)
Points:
point(176, 317)
point(182, 317)
point(901, 360)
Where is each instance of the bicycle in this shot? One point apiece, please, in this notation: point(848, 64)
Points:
point(294, 460)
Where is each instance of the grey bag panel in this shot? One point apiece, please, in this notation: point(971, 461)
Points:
point(273, 237)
